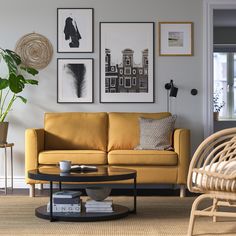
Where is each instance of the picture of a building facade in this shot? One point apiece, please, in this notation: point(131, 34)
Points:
point(126, 77)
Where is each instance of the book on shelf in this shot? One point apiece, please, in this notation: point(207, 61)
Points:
point(75, 200)
point(66, 194)
point(83, 168)
point(99, 206)
point(99, 209)
point(64, 207)
point(93, 203)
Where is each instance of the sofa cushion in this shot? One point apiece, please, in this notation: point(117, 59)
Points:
point(123, 133)
point(75, 130)
point(94, 157)
point(142, 157)
point(155, 134)
point(208, 180)
point(149, 174)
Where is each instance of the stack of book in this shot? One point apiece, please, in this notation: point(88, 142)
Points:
point(98, 206)
point(66, 201)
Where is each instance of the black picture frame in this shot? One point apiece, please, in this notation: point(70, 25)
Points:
point(75, 30)
point(74, 87)
point(112, 31)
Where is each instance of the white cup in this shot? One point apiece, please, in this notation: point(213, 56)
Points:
point(65, 166)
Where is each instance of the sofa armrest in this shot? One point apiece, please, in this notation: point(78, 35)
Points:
point(182, 148)
point(34, 143)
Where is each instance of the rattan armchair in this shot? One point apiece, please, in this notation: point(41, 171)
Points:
point(212, 172)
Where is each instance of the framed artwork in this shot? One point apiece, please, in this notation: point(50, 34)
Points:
point(176, 38)
point(75, 29)
point(126, 62)
point(74, 80)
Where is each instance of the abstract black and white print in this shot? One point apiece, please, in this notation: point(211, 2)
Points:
point(127, 62)
point(77, 73)
point(75, 78)
point(75, 29)
point(71, 32)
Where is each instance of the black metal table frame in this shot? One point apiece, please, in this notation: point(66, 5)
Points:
point(98, 179)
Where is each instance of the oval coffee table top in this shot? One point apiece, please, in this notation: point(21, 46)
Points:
point(103, 173)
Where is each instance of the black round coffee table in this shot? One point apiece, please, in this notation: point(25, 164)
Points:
point(102, 174)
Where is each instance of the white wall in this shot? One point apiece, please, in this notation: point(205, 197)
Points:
point(24, 16)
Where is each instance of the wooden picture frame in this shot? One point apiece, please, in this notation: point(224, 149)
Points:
point(176, 38)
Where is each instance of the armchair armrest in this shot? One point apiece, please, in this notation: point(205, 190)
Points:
point(182, 148)
point(34, 143)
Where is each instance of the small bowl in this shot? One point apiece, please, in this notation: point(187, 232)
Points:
point(98, 193)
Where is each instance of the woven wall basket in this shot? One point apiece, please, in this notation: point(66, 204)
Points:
point(35, 50)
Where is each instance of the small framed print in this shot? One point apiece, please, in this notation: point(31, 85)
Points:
point(127, 62)
point(75, 29)
point(176, 38)
point(75, 80)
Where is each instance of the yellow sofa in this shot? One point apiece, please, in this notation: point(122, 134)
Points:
point(106, 139)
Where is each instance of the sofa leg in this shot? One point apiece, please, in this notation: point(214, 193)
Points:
point(32, 190)
point(182, 190)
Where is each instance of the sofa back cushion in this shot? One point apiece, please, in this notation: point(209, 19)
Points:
point(75, 130)
point(124, 132)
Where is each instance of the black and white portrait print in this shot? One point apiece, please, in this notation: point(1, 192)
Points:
point(75, 29)
point(127, 62)
point(75, 80)
point(71, 32)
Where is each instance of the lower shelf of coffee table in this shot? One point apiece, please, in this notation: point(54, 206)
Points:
point(119, 212)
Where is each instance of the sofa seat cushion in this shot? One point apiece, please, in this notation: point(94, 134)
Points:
point(142, 157)
point(94, 157)
point(205, 179)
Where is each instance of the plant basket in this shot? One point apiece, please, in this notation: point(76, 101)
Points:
point(3, 132)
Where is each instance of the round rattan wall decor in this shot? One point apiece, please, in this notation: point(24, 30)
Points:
point(35, 50)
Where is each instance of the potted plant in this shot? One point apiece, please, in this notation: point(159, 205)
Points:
point(218, 103)
point(13, 78)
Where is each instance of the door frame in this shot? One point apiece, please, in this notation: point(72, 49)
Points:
point(208, 7)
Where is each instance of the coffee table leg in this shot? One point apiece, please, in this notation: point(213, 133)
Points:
point(51, 207)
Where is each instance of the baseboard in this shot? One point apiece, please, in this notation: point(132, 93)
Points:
point(18, 182)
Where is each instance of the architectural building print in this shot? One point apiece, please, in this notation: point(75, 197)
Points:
point(126, 77)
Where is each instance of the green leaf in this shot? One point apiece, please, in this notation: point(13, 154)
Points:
point(21, 78)
point(4, 83)
point(24, 100)
point(32, 81)
point(30, 70)
point(15, 84)
point(14, 56)
point(12, 66)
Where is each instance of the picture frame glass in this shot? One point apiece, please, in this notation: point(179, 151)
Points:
point(75, 29)
point(75, 80)
point(126, 62)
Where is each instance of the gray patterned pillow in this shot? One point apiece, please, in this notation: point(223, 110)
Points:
point(155, 134)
